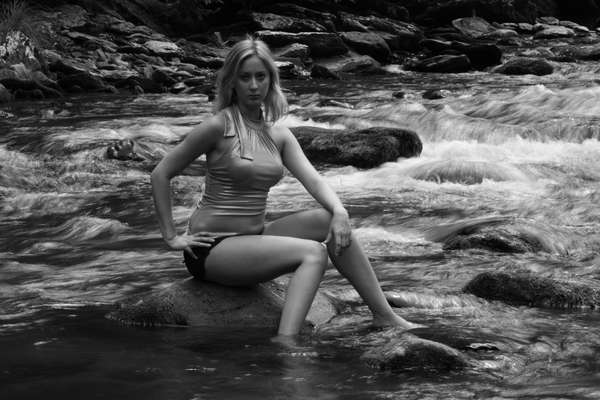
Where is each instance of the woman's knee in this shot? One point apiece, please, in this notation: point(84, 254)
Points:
point(316, 253)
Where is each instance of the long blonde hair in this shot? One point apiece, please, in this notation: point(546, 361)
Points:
point(275, 104)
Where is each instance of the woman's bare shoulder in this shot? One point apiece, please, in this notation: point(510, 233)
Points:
point(212, 127)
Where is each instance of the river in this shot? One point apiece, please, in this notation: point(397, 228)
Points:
point(79, 235)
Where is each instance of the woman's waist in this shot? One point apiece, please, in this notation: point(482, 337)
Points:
point(205, 218)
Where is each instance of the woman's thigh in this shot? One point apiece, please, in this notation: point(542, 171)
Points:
point(250, 259)
point(310, 224)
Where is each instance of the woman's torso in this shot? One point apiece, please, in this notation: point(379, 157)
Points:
point(241, 169)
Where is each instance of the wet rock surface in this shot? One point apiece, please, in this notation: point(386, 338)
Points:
point(536, 291)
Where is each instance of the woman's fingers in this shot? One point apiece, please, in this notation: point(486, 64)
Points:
point(190, 252)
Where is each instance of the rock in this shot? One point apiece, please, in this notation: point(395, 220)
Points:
point(548, 20)
point(81, 81)
point(525, 65)
point(365, 148)
point(352, 64)
point(321, 72)
point(123, 150)
point(325, 19)
point(196, 303)
point(579, 29)
point(290, 70)
point(274, 22)
point(162, 76)
point(504, 239)
point(92, 42)
point(204, 61)
point(441, 63)
point(408, 352)
point(368, 43)
point(501, 34)
point(179, 87)
point(163, 48)
point(473, 27)
point(349, 22)
point(465, 172)
point(5, 95)
point(535, 291)
point(398, 35)
point(399, 95)
point(481, 55)
point(33, 94)
point(436, 46)
point(554, 31)
point(18, 77)
point(321, 44)
point(576, 52)
point(432, 94)
point(294, 50)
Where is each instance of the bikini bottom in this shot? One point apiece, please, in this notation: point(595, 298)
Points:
point(196, 267)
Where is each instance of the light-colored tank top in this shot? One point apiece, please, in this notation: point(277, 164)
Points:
point(239, 179)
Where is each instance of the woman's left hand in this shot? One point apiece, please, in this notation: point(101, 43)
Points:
point(339, 231)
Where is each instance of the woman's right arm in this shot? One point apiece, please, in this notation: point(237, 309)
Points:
point(200, 140)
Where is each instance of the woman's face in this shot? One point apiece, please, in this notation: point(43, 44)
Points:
point(252, 82)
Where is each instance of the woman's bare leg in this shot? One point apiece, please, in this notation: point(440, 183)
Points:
point(352, 263)
point(246, 260)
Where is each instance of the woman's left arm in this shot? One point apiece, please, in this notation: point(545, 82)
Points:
point(296, 162)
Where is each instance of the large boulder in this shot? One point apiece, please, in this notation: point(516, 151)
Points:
point(524, 66)
point(535, 291)
point(321, 44)
point(368, 43)
point(192, 302)
point(365, 148)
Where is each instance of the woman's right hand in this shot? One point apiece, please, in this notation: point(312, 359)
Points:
point(186, 241)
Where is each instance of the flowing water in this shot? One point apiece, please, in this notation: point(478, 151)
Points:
point(79, 235)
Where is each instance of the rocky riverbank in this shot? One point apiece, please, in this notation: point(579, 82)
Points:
point(83, 48)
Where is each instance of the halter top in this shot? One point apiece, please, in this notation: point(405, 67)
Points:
point(238, 179)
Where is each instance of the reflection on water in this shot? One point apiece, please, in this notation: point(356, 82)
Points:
point(78, 235)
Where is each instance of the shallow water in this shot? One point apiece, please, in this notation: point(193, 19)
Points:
point(78, 235)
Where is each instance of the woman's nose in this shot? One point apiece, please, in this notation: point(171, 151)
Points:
point(253, 83)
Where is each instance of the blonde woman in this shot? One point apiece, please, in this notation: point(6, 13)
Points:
point(228, 240)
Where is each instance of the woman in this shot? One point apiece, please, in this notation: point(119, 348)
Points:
point(227, 240)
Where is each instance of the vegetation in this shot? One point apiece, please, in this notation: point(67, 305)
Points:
point(15, 15)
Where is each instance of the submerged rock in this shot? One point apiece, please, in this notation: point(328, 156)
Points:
point(535, 290)
point(366, 148)
point(196, 303)
point(408, 352)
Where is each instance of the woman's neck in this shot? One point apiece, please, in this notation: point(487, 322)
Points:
point(252, 114)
